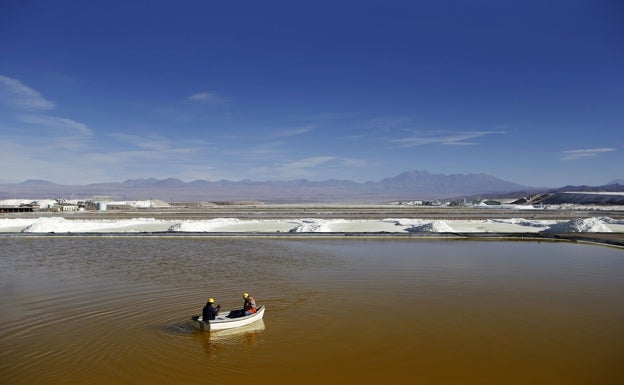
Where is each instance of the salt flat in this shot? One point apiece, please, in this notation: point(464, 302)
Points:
point(605, 222)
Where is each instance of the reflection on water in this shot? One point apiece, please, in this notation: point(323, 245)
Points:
point(117, 310)
point(215, 341)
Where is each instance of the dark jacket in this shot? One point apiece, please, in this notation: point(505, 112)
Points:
point(210, 311)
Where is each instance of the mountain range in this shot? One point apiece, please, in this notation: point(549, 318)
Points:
point(410, 185)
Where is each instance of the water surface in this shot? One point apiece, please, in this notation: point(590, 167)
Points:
point(104, 310)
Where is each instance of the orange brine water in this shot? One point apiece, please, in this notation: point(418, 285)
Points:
point(103, 310)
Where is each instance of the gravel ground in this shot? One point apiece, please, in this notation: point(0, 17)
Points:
point(328, 212)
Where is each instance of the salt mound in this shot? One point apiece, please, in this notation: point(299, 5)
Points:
point(203, 226)
point(431, 227)
point(612, 221)
point(580, 225)
point(518, 221)
point(175, 227)
point(309, 226)
point(47, 225)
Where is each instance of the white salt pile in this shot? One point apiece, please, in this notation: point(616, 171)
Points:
point(63, 225)
point(612, 221)
point(580, 225)
point(431, 227)
point(311, 226)
point(202, 225)
point(305, 225)
point(518, 221)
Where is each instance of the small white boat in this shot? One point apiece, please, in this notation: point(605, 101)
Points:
point(231, 335)
point(224, 321)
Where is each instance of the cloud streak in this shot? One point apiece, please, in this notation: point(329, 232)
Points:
point(301, 168)
point(32, 108)
point(421, 138)
point(292, 132)
point(151, 147)
point(585, 153)
point(56, 122)
point(207, 98)
point(309, 162)
point(19, 96)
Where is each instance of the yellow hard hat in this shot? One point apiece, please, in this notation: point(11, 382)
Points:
point(210, 300)
point(245, 295)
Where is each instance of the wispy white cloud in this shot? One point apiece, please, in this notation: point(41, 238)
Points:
point(149, 143)
point(76, 159)
point(19, 96)
point(585, 153)
point(390, 123)
point(152, 146)
point(207, 97)
point(56, 122)
point(32, 108)
point(292, 132)
point(301, 168)
point(355, 162)
point(276, 143)
point(309, 162)
point(380, 128)
point(273, 164)
point(420, 138)
point(260, 151)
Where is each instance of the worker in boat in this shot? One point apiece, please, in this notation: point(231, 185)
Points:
point(249, 307)
point(210, 310)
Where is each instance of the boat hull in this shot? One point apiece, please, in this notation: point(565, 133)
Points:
point(222, 322)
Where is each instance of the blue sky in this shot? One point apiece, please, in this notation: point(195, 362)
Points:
point(97, 91)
